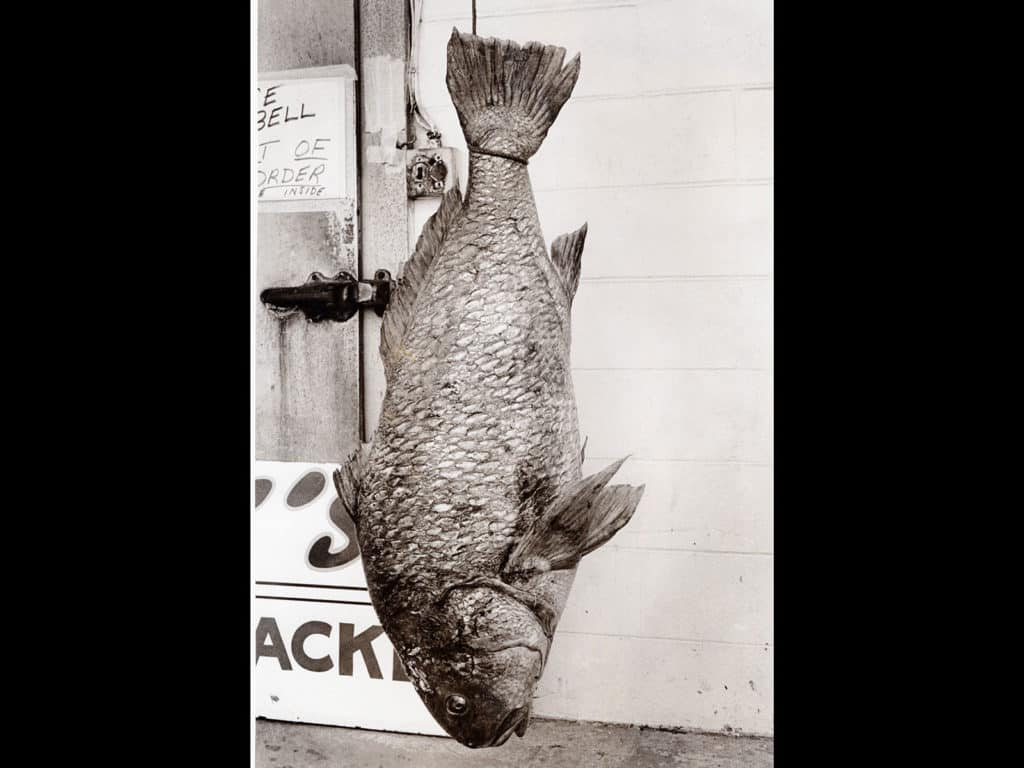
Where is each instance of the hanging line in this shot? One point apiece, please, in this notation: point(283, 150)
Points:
point(412, 76)
point(474, 17)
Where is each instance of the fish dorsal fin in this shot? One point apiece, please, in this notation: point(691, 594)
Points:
point(567, 253)
point(580, 520)
point(414, 271)
point(347, 480)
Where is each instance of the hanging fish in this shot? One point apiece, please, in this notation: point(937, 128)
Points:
point(471, 509)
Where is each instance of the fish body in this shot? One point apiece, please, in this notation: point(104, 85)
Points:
point(470, 506)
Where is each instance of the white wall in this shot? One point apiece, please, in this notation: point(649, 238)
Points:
point(666, 150)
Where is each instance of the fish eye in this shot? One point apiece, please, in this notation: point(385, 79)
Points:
point(456, 704)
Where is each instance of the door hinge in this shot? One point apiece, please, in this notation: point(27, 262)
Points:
point(336, 298)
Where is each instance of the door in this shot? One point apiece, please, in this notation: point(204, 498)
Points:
point(320, 654)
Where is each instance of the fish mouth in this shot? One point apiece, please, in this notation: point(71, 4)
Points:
point(515, 721)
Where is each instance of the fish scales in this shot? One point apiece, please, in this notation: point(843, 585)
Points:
point(464, 372)
point(470, 505)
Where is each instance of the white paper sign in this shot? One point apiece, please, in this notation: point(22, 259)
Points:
point(321, 655)
point(300, 139)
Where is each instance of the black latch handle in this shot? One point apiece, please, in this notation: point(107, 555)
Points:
point(337, 298)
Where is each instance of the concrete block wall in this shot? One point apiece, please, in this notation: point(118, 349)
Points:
point(666, 150)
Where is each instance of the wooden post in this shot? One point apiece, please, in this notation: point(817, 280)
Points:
point(384, 206)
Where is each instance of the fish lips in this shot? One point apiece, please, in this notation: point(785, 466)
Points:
point(524, 723)
point(516, 721)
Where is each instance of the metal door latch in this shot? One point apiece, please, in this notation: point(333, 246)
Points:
point(337, 298)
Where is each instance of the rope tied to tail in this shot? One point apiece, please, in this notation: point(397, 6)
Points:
point(494, 153)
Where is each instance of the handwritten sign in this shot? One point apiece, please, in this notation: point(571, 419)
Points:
point(300, 139)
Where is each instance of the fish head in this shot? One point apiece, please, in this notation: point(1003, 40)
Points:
point(478, 683)
point(481, 700)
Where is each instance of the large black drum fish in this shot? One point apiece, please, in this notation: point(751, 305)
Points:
point(471, 509)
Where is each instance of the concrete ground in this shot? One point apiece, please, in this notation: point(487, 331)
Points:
point(546, 743)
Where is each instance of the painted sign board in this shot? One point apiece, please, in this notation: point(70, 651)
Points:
point(320, 653)
point(302, 141)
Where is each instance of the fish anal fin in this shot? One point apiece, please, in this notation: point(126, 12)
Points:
point(347, 480)
point(579, 521)
point(400, 311)
point(567, 254)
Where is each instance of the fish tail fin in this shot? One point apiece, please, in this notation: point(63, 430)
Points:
point(507, 95)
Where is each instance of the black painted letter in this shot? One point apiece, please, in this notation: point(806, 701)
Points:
point(268, 629)
point(320, 555)
point(299, 638)
point(348, 645)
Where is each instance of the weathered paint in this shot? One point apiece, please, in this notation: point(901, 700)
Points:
point(384, 206)
point(307, 374)
point(294, 34)
point(307, 382)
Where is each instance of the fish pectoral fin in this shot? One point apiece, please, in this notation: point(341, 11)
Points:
point(567, 255)
point(579, 521)
point(348, 478)
point(543, 610)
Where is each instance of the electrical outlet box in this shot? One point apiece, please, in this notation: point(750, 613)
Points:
point(430, 171)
